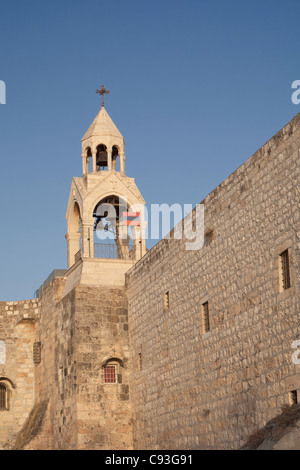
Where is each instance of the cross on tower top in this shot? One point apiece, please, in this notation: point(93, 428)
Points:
point(102, 92)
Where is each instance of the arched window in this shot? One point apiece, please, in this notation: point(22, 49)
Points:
point(4, 397)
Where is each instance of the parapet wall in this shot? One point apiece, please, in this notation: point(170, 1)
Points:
point(192, 389)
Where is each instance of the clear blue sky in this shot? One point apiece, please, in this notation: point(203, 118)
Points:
point(196, 88)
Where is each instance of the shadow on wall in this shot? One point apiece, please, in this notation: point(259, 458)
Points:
point(280, 433)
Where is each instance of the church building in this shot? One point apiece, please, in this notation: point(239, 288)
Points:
point(167, 348)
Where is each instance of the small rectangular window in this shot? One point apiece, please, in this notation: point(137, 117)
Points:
point(140, 361)
point(205, 315)
point(167, 300)
point(110, 374)
point(293, 397)
point(285, 280)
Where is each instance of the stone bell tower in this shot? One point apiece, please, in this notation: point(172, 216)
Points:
point(105, 214)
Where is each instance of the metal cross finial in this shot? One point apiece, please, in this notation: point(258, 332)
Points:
point(102, 92)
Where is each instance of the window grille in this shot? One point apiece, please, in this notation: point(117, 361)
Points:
point(4, 398)
point(285, 270)
point(205, 311)
point(110, 374)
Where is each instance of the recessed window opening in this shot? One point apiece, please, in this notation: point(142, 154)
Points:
point(293, 397)
point(205, 314)
point(167, 300)
point(285, 279)
point(140, 361)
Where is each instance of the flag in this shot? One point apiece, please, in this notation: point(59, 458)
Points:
point(129, 218)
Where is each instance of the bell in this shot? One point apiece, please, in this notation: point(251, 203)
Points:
point(101, 159)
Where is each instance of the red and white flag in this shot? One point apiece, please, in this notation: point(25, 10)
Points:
point(130, 218)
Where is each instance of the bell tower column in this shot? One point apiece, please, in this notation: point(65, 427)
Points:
point(122, 162)
point(84, 165)
point(73, 247)
point(109, 158)
point(87, 250)
point(94, 165)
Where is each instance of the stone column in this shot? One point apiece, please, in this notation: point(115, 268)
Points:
point(109, 158)
point(84, 165)
point(73, 240)
point(91, 240)
point(122, 162)
point(137, 246)
point(94, 166)
point(143, 237)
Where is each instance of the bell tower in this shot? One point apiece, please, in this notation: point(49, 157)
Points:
point(105, 214)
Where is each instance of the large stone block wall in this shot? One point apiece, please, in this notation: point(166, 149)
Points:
point(18, 332)
point(56, 373)
point(103, 410)
point(79, 333)
point(191, 389)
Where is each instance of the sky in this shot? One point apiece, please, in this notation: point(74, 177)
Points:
point(196, 88)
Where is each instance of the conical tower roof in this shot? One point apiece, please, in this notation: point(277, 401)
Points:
point(102, 126)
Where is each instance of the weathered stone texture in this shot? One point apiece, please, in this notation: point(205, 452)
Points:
point(103, 410)
point(36, 432)
point(212, 390)
point(18, 322)
point(178, 387)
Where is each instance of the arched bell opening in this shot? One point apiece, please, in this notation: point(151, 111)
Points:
point(74, 235)
point(89, 163)
point(101, 157)
point(115, 159)
point(112, 237)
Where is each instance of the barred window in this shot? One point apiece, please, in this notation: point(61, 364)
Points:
point(110, 374)
point(4, 397)
point(285, 280)
point(205, 315)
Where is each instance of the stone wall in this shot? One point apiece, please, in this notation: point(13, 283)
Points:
point(104, 410)
point(64, 378)
point(78, 334)
point(56, 373)
point(18, 332)
point(197, 390)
